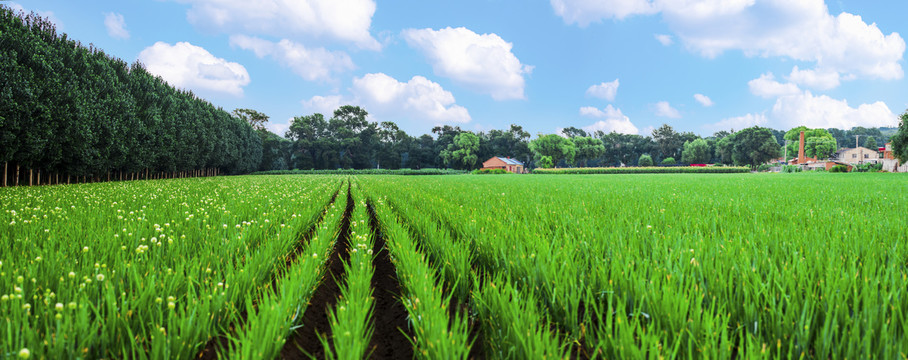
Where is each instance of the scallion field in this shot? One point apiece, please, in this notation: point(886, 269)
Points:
point(717, 266)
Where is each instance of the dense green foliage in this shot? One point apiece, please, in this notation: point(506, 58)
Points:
point(71, 110)
point(838, 169)
point(461, 154)
point(645, 160)
point(647, 170)
point(900, 140)
point(753, 146)
point(556, 147)
point(669, 161)
point(489, 172)
point(364, 172)
point(818, 143)
point(696, 152)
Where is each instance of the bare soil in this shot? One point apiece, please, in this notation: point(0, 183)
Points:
point(304, 342)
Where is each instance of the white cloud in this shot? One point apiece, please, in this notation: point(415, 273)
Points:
point(703, 100)
point(278, 128)
point(49, 15)
point(606, 90)
point(345, 20)
point(483, 63)
point(311, 64)
point(665, 40)
point(738, 123)
point(184, 65)
point(326, 105)
point(802, 30)
point(664, 109)
point(612, 120)
point(419, 102)
point(584, 12)
point(419, 98)
point(116, 26)
point(817, 79)
point(825, 112)
point(767, 87)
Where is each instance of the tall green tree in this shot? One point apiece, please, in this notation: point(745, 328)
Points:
point(461, 153)
point(444, 136)
point(572, 132)
point(588, 148)
point(870, 143)
point(624, 149)
point(669, 141)
point(255, 119)
point(818, 143)
point(696, 152)
point(725, 148)
point(554, 146)
point(311, 142)
point(754, 146)
point(900, 139)
point(355, 139)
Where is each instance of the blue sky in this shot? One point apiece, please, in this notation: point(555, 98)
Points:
point(613, 65)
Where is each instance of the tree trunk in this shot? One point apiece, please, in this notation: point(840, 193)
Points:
point(39, 177)
point(5, 164)
point(30, 174)
point(17, 174)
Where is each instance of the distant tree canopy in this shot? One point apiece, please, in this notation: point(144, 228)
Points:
point(556, 147)
point(754, 146)
point(72, 110)
point(818, 143)
point(645, 160)
point(696, 152)
point(900, 139)
point(461, 153)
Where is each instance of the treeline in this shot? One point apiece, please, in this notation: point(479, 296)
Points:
point(70, 113)
point(348, 140)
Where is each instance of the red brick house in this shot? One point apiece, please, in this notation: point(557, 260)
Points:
point(505, 163)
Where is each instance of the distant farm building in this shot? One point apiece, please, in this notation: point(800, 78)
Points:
point(858, 155)
point(504, 163)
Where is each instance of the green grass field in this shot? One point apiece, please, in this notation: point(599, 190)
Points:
point(541, 266)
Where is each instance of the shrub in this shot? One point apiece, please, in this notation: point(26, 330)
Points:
point(645, 160)
point(791, 169)
point(868, 167)
point(839, 169)
point(763, 167)
point(669, 161)
point(489, 171)
point(427, 171)
point(648, 170)
point(545, 162)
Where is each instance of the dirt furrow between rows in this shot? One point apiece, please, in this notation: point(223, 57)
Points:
point(458, 305)
point(392, 336)
point(210, 351)
point(304, 342)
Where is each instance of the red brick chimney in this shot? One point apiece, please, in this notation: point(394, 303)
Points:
point(801, 158)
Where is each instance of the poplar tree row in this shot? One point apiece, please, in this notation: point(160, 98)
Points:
point(70, 113)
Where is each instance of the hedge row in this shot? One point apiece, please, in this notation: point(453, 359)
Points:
point(364, 172)
point(646, 170)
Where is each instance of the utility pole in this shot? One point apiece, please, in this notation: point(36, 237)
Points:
point(786, 152)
